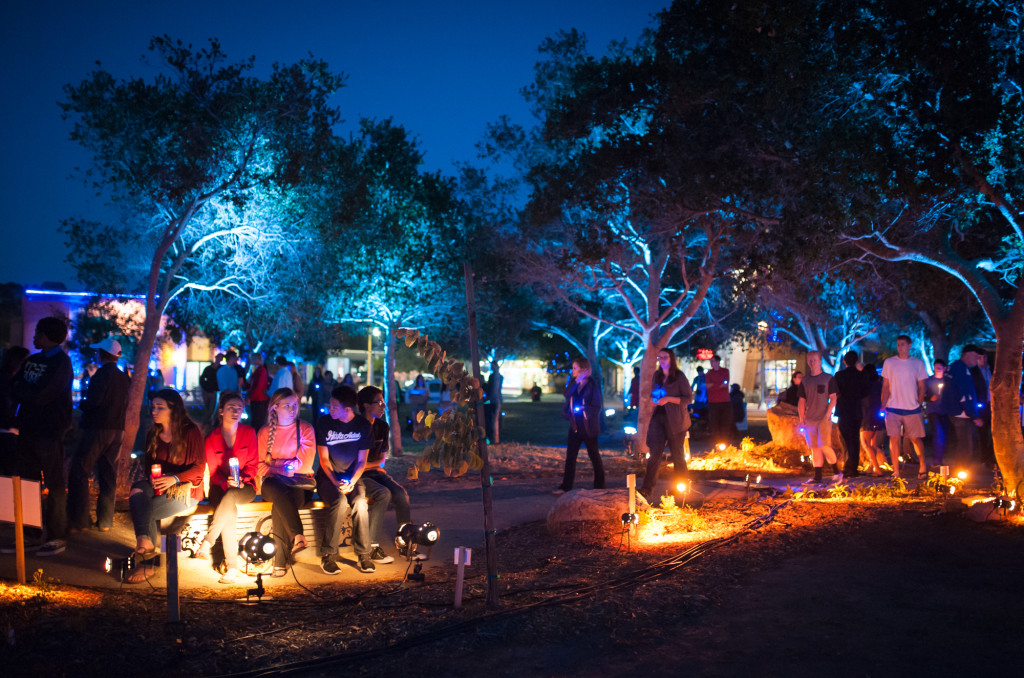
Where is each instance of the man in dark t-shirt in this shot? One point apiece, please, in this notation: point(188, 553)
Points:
point(343, 441)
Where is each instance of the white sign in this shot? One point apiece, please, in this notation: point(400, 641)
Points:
point(31, 501)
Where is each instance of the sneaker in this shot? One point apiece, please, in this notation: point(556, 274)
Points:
point(365, 564)
point(812, 481)
point(51, 548)
point(330, 566)
point(232, 576)
point(837, 478)
point(421, 556)
point(377, 555)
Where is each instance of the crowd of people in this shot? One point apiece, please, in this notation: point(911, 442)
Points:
point(901, 403)
point(277, 455)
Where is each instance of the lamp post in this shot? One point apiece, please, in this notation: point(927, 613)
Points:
point(762, 330)
point(375, 332)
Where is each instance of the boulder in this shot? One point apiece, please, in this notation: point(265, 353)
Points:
point(783, 421)
point(600, 505)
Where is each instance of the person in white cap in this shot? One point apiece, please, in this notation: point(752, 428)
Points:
point(102, 424)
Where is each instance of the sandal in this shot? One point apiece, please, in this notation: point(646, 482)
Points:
point(203, 552)
point(279, 572)
point(140, 574)
point(232, 576)
point(300, 544)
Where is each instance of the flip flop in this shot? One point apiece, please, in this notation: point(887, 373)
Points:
point(299, 545)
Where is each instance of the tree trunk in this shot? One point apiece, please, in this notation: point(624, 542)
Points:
point(648, 364)
point(391, 394)
point(490, 545)
point(136, 390)
point(1007, 440)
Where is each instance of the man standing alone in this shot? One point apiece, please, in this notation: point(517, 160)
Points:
point(818, 395)
point(42, 390)
point(903, 380)
point(719, 404)
point(852, 387)
point(102, 425)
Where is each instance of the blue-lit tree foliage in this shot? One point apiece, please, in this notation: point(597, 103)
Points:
point(198, 159)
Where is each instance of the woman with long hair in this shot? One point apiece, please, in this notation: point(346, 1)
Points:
point(174, 467)
point(669, 421)
point(583, 405)
point(287, 448)
point(231, 483)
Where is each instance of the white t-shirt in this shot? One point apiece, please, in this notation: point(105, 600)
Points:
point(903, 376)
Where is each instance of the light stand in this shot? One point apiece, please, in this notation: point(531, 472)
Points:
point(409, 538)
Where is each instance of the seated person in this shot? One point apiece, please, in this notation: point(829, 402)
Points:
point(380, 487)
point(286, 450)
point(229, 440)
point(174, 468)
point(342, 441)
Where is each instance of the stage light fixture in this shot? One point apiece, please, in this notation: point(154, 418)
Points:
point(256, 548)
point(630, 519)
point(410, 536)
point(120, 566)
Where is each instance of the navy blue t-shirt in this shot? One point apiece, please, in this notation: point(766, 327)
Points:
point(343, 442)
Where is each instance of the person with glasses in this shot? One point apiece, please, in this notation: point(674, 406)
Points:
point(231, 484)
point(381, 488)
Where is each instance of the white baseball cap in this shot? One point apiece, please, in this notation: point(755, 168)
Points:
point(109, 345)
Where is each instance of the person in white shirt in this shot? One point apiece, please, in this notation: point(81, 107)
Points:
point(903, 380)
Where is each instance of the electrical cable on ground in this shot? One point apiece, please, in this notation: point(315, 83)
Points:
point(642, 575)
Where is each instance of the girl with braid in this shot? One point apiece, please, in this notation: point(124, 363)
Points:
point(286, 449)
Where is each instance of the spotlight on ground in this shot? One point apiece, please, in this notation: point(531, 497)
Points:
point(409, 538)
point(256, 548)
point(962, 475)
point(630, 519)
point(122, 567)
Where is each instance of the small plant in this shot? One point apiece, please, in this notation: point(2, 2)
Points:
point(47, 585)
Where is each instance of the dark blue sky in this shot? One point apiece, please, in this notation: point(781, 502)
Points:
point(441, 69)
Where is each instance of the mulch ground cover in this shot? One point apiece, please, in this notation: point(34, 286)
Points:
point(840, 587)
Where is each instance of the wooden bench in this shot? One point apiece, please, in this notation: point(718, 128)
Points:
point(252, 517)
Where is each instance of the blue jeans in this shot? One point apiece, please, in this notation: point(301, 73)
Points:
point(337, 507)
point(147, 508)
point(383, 489)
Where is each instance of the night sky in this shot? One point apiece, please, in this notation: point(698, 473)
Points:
point(441, 69)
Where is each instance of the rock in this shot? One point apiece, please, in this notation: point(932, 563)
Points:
point(981, 511)
point(601, 505)
point(783, 422)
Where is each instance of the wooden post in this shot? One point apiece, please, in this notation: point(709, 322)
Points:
point(493, 601)
point(19, 525)
point(463, 556)
point(631, 486)
point(171, 545)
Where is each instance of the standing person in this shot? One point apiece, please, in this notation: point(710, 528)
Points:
point(228, 379)
point(739, 407)
point(176, 445)
point(942, 405)
point(818, 396)
point(230, 439)
point(872, 421)
point(42, 391)
point(583, 406)
point(669, 421)
point(9, 366)
point(851, 388)
point(102, 425)
point(634, 392)
point(699, 388)
point(282, 376)
point(791, 396)
point(258, 382)
point(208, 384)
point(982, 377)
point(287, 449)
point(719, 405)
point(492, 405)
point(902, 395)
point(968, 418)
point(343, 442)
point(380, 487)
